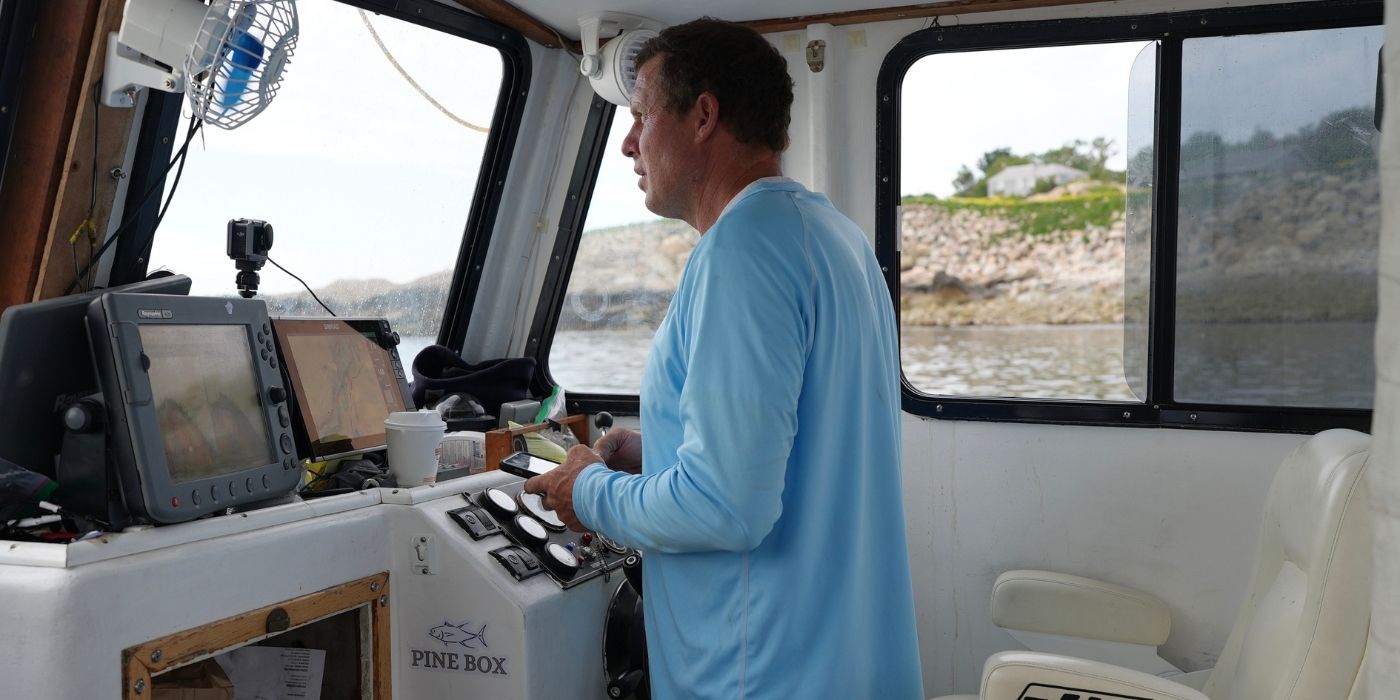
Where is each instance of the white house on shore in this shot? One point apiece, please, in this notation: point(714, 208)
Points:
point(1019, 180)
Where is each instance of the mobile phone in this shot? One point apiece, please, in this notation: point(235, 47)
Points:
point(527, 465)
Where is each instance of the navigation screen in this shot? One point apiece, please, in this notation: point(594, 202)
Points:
point(345, 384)
point(207, 401)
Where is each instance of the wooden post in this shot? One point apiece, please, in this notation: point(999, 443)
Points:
point(51, 85)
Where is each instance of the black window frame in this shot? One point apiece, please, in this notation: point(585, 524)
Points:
point(592, 149)
point(1170, 29)
point(161, 123)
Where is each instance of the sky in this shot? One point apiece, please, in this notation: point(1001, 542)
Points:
point(361, 177)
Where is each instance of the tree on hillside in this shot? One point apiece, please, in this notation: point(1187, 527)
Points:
point(1089, 156)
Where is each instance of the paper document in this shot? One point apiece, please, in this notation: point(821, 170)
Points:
point(274, 673)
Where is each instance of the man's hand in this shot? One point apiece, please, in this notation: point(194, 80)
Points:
point(557, 487)
point(621, 450)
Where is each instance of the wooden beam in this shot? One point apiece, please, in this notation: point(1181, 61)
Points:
point(90, 158)
point(519, 20)
point(51, 85)
point(951, 7)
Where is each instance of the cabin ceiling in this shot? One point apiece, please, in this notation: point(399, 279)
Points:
point(563, 17)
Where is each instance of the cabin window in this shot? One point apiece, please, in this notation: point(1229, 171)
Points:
point(1278, 215)
point(364, 164)
point(624, 274)
point(1157, 220)
point(1013, 221)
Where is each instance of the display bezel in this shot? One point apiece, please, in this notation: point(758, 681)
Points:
point(137, 450)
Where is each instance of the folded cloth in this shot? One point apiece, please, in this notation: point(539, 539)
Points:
point(438, 371)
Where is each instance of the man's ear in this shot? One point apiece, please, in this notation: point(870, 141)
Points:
point(707, 116)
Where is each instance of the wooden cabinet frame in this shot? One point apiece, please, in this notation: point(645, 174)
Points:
point(141, 662)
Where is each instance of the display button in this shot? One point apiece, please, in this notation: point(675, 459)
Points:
point(276, 394)
point(196, 497)
point(261, 336)
point(272, 361)
point(286, 443)
point(288, 463)
point(262, 354)
point(214, 493)
point(267, 483)
point(232, 489)
point(270, 346)
point(282, 417)
point(266, 329)
point(248, 483)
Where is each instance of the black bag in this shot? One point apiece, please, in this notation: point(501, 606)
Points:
point(439, 372)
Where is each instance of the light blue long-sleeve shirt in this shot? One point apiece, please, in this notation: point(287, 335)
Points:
point(769, 506)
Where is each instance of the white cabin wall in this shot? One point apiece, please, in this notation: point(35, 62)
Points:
point(1171, 512)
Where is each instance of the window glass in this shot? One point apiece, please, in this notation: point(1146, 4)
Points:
point(366, 177)
point(1141, 167)
point(1013, 220)
point(628, 264)
point(1278, 219)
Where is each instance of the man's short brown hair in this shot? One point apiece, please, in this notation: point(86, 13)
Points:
point(744, 72)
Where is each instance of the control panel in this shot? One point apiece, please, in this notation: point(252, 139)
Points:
point(532, 539)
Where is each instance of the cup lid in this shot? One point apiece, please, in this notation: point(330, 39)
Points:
point(415, 419)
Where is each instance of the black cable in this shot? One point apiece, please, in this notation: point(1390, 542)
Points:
point(145, 199)
point(169, 197)
point(304, 284)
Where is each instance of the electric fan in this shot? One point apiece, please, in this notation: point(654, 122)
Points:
point(227, 56)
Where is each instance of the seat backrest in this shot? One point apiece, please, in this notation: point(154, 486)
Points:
point(1302, 632)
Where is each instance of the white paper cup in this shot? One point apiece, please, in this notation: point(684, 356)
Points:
point(415, 444)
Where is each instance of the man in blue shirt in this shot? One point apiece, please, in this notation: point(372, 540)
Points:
point(766, 493)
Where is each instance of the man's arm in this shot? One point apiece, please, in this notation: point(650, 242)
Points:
point(745, 337)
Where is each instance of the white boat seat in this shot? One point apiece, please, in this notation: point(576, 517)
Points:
point(1301, 634)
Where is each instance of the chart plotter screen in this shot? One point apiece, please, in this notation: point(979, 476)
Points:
point(207, 402)
point(345, 382)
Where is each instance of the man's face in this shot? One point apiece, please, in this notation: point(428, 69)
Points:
point(661, 146)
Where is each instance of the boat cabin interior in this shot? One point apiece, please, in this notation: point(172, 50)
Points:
point(1140, 252)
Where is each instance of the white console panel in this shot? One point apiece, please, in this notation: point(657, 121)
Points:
point(73, 609)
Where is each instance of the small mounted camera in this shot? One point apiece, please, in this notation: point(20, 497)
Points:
point(248, 243)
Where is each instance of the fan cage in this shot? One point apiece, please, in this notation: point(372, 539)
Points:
point(238, 60)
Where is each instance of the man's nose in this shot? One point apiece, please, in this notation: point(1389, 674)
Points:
point(629, 146)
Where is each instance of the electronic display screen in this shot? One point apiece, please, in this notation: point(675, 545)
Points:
point(207, 399)
point(345, 383)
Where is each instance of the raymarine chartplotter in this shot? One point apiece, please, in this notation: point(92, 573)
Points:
point(197, 413)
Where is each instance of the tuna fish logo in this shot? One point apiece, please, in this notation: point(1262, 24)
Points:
point(448, 633)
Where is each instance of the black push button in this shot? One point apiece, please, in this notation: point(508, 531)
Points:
point(276, 394)
point(282, 416)
point(272, 361)
point(266, 329)
point(286, 444)
point(477, 522)
point(263, 354)
point(267, 483)
point(520, 563)
point(195, 497)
